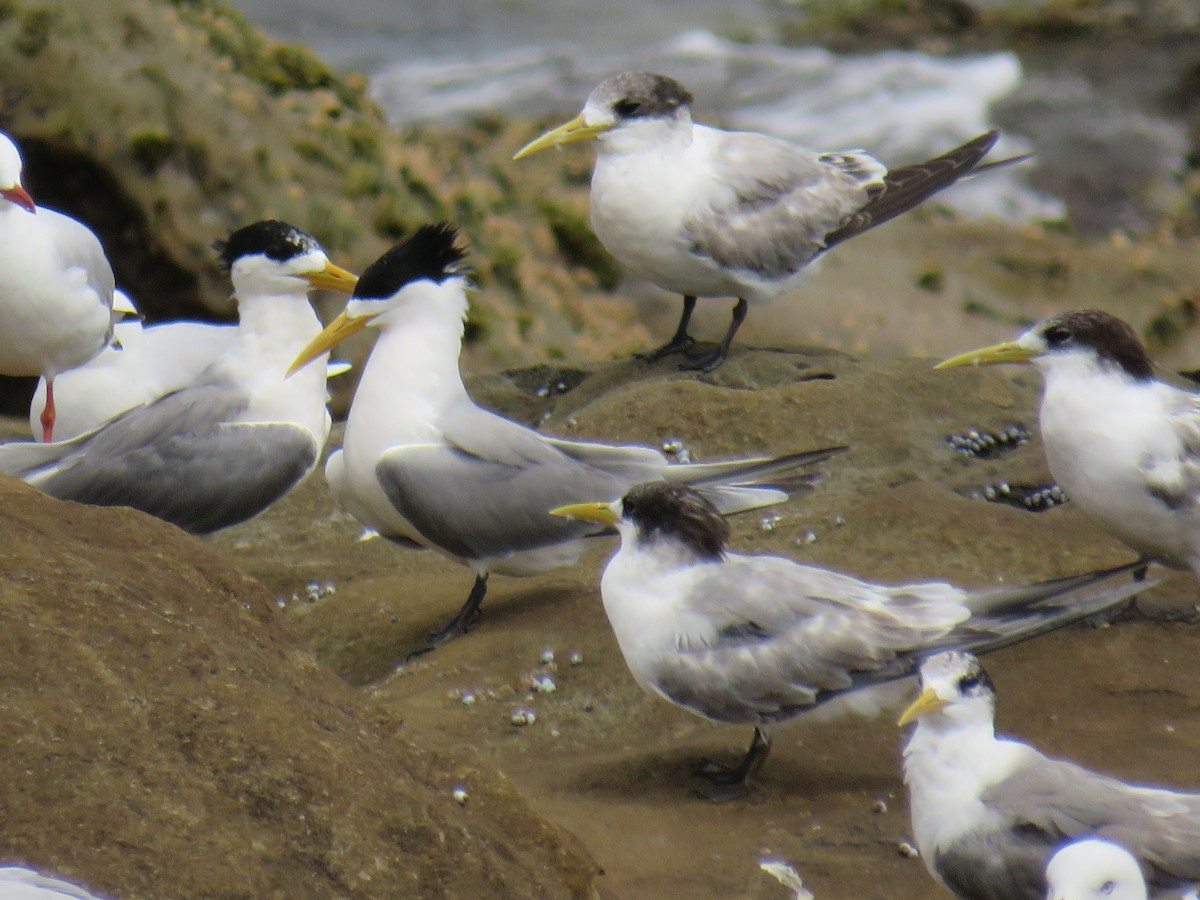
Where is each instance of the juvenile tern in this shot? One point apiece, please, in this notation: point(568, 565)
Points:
point(222, 450)
point(1093, 869)
point(56, 287)
point(1124, 446)
point(423, 465)
point(988, 813)
point(757, 640)
point(709, 213)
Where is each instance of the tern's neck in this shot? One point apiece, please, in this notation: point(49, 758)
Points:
point(412, 371)
point(946, 766)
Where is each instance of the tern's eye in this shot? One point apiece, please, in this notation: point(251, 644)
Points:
point(628, 506)
point(1108, 887)
point(967, 682)
point(627, 108)
point(1056, 335)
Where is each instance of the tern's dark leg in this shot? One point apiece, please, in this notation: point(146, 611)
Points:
point(706, 362)
point(731, 782)
point(461, 623)
point(681, 341)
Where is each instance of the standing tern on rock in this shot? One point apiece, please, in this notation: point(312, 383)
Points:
point(756, 640)
point(56, 287)
point(709, 213)
point(1093, 869)
point(988, 813)
point(1124, 446)
point(227, 447)
point(423, 465)
point(143, 363)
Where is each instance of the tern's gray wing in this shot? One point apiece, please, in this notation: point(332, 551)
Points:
point(476, 507)
point(779, 637)
point(995, 865)
point(1174, 477)
point(184, 459)
point(488, 489)
point(1063, 800)
point(782, 202)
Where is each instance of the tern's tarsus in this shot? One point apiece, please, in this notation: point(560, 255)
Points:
point(1124, 446)
point(709, 213)
point(56, 287)
point(757, 640)
point(423, 465)
point(988, 813)
point(222, 450)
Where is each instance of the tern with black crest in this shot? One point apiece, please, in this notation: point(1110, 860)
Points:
point(223, 449)
point(423, 465)
point(989, 812)
point(757, 640)
point(1123, 445)
point(709, 213)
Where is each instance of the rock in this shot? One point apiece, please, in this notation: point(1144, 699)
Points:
point(167, 734)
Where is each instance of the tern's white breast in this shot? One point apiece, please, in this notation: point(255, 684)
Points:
point(1101, 432)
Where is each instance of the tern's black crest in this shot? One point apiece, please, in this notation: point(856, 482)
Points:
point(431, 253)
point(671, 509)
point(1113, 340)
point(273, 239)
point(642, 95)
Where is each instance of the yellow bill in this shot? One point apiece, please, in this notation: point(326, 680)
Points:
point(928, 702)
point(335, 332)
point(1009, 352)
point(568, 133)
point(600, 513)
point(332, 278)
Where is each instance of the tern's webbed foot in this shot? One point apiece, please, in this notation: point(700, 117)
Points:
point(677, 344)
point(724, 793)
point(718, 772)
point(704, 362)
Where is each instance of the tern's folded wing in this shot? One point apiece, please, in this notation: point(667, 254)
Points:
point(184, 459)
point(779, 202)
point(477, 508)
point(778, 637)
point(1064, 800)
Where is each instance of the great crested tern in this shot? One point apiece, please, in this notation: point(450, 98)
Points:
point(20, 883)
point(424, 466)
point(756, 640)
point(222, 450)
point(988, 813)
point(709, 213)
point(1093, 869)
point(1124, 446)
point(143, 363)
point(56, 287)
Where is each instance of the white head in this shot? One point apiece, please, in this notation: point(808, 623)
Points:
point(271, 258)
point(626, 110)
point(1094, 870)
point(11, 188)
point(955, 692)
point(422, 277)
